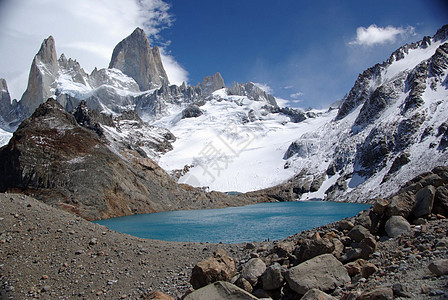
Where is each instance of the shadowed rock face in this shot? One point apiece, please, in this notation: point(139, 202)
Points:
point(64, 164)
point(135, 58)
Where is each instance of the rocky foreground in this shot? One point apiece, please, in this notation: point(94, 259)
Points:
point(397, 249)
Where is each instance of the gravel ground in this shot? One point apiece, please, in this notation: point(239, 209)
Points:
point(51, 254)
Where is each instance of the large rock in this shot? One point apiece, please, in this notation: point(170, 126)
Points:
point(401, 204)
point(315, 294)
point(439, 267)
point(253, 269)
point(135, 58)
point(380, 205)
point(273, 277)
point(424, 201)
point(323, 272)
point(219, 267)
point(313, 247)
point(381, 293)
point(220, 290)
point(441, 200)
point(397, 225)
point(367, 246)
point(358, 233)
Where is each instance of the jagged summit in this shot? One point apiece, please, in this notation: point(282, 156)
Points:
point(369, 84)
point(135, 58)
point(212, 83)
point(44, 70)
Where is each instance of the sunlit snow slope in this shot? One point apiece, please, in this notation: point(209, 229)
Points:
point(225, 151)
point(4, 137)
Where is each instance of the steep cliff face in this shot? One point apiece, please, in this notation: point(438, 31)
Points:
point(135, 58)
point(390, 127)
point(41, 81)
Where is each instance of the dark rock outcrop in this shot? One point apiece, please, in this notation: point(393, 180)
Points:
point(192, 111)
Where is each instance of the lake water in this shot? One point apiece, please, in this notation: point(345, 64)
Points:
point(257, 222)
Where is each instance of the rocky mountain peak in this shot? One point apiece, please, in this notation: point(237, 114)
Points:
point(5, 99)
point(135, 58)
point(212, 83)
point(367, 85)
point(441, 34)
point(253, 92)
point(47, 55)
point(44, 70)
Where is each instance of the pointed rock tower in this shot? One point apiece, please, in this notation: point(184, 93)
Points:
point(44, 70)
point(135, 58)
point(212, 83)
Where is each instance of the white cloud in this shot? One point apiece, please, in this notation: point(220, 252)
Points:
point(374, 35)
point(265, 87)
point(176, 74)
point(282, 102)
point(84, 30)
point(296, 95)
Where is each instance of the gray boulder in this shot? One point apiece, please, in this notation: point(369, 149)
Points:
point(312, 248)
point(273, 277)
point(397, 225)
point(383, 293)
point(253, 269)
point(323, 272)
point(358, 233)
point(401, 205)
point(220, 290)
point(424, 201)
point(439, 267)
point(315, 294)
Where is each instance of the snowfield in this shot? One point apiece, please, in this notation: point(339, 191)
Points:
point(226, 152)
point(4, 137)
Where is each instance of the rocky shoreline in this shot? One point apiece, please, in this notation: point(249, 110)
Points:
point(51, 254)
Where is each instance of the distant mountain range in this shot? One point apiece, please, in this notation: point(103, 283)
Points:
point(391, 126)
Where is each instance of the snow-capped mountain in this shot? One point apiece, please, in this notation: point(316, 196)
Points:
point(390, 127)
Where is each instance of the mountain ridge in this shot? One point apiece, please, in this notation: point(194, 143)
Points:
point(392, 119)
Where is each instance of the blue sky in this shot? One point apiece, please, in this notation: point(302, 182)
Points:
point(307, 52)
point(297, 48)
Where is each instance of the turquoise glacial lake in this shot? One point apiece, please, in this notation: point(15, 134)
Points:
point(257, 222)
